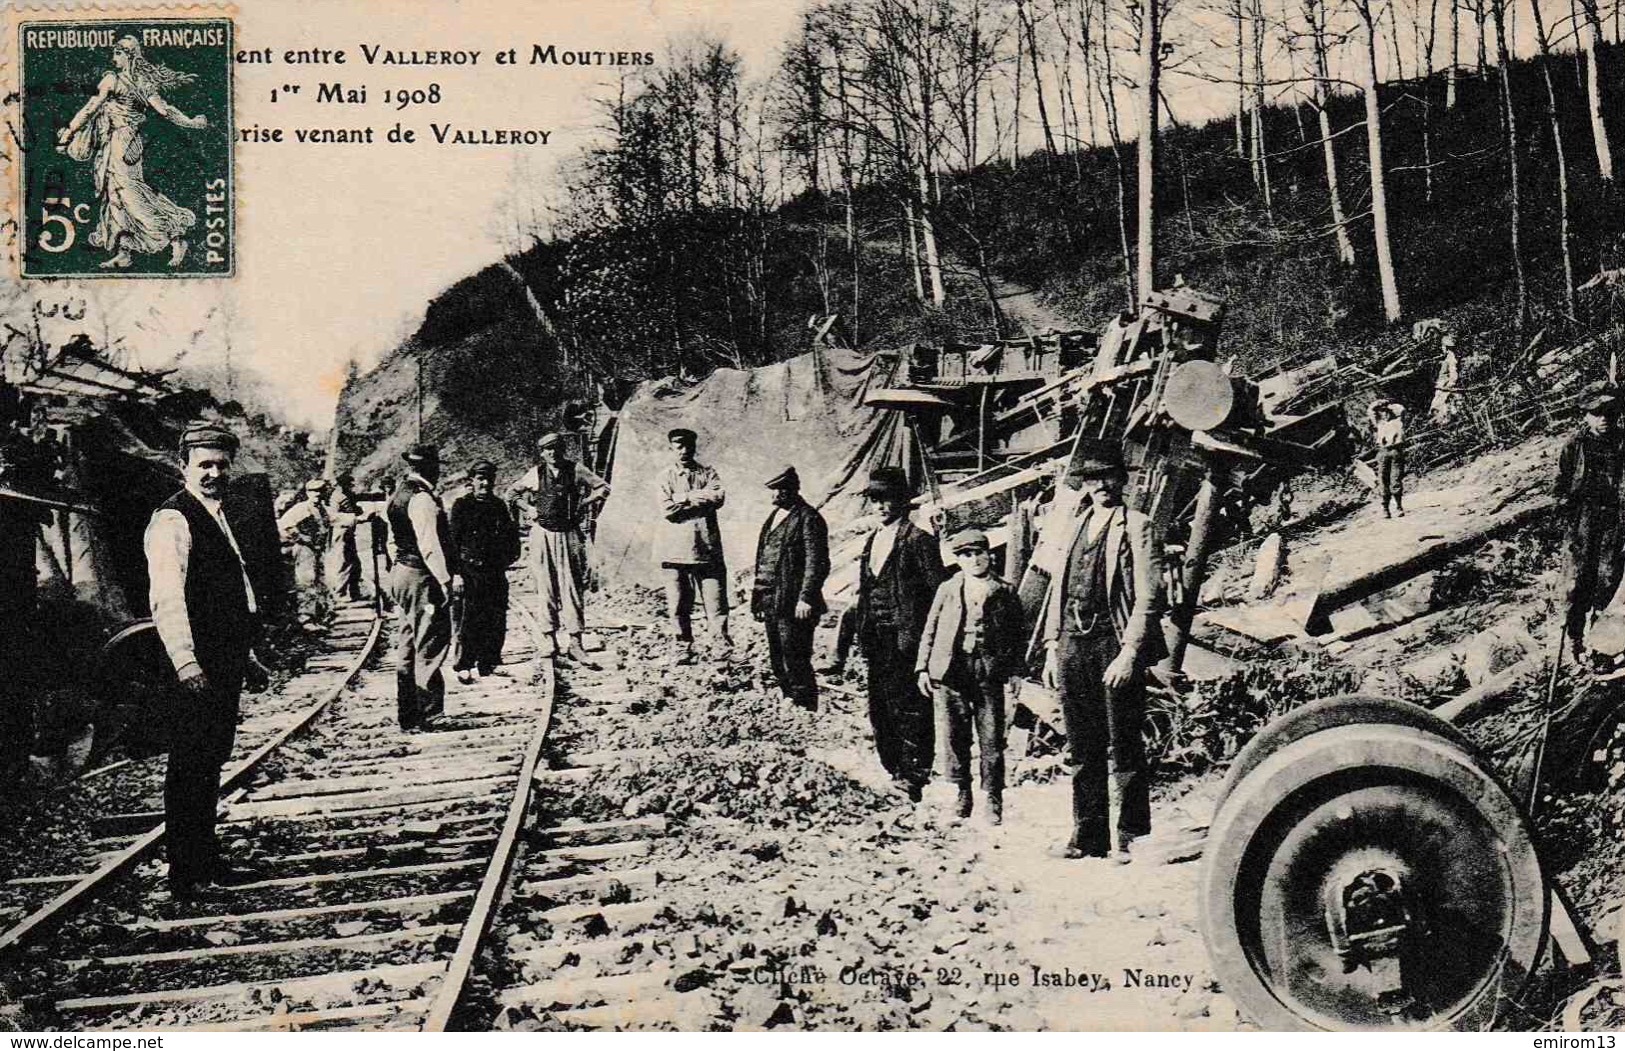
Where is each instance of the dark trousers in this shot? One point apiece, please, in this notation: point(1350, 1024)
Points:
point(1104, 730)
point(789, 651)
point(1391, 476)
point(202, 728)
point(974, 697)
point(484, 625)
point(905, 735)
point(422, 639)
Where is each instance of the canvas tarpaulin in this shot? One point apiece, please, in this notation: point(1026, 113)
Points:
point(807, 412)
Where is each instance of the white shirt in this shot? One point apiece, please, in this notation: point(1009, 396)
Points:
point(423, 510)
point(976, 592)
point(168, 546)
point(880, 550)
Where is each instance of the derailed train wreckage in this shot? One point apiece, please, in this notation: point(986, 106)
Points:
point(1364, 867)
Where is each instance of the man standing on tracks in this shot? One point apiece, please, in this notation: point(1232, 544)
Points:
point(792, 560)
point(689, 545)
point(205, 612)
point(422, 583)
point(559, 494)
point(898, 574)
point(1101, 632)
point(487, 544)
point(344, 511)
point(1589, 470)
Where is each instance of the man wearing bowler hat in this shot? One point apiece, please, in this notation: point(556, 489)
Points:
point(688, 545)
point(557, 495)
point(206, 615)
point(898, 574)
point(487, 542)
point(421, 584)
point(1101, 631)
point(1589, 476)
point(792, 560)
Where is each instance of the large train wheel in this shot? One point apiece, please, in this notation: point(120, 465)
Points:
point(1325, 714)
point(1371, 876)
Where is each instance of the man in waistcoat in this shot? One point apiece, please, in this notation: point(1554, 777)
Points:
point(557, 494)
point(792, 560)
point(898, 574)
point(487, 544)
point(1101, 631)
point(344, 512)
point(421, 584)
point(1589, 470)
point(206, 615)
point(688, 545)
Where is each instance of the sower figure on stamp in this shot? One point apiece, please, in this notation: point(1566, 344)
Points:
point(204, 609)
point(558, 493)
point(1101, 631)
point(1589, 472)
point(487, 541)
point(689, 546)
point(898, 574)
point(344, 512)
point(972, 647)
point(421, 584)
point(792, 561)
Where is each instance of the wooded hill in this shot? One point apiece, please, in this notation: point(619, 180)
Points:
point(878, 174)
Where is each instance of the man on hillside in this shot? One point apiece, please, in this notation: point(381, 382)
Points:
point(898, 574)
point(688, 545)
point(487, 542)
point(558, 494)
point(1589, 475)
point(1388, 431)
point(1101, 631)
point(421, 584)
point(792, 560)
point(206, 615)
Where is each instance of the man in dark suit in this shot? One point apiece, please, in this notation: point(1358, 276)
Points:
point(1101, 631)
point(204, 608)
point(487, 541)
point(792, 560)
point(972, 645)
point(1588, 490)
point(422, 585)
point(898, 574)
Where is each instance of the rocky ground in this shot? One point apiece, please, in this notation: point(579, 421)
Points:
point(799, 891)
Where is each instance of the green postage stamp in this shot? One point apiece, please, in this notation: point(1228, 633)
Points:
point(127, 158)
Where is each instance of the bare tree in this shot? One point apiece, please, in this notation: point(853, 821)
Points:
point(1150, 96)
point(1379, 193)
point(1562, 162)
point(1509, 118)
point(1591, 38)
point(1315, 12)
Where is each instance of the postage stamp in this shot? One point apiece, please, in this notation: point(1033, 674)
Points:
point(126, 159)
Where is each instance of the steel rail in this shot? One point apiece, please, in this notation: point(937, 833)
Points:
point(83, 892)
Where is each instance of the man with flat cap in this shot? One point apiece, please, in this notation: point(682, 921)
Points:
point(344, 512)
point(688, 545)
point(557, 495)
point(307, 529)
point(1101, 631)
point(898, 574)
point(206, 615)
point(421, 584)
point(487, 542)
point(1589, 476)
point(792, 560)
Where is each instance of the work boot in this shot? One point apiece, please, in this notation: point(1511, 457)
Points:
point(579, 656)
point(995, 809)
point(406, 701)
point(963, 806)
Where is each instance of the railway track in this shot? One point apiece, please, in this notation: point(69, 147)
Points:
point(383, 856)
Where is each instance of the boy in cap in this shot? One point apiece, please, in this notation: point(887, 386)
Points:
point(1589, 475)
point(898, 573)
point(1388, 431)
point(487, 544)
point(688, 545)
point(559, 494)
point(971, 648)
point(792, 560)
point(422, 583)
point(1101, 631)
point(207, 615)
